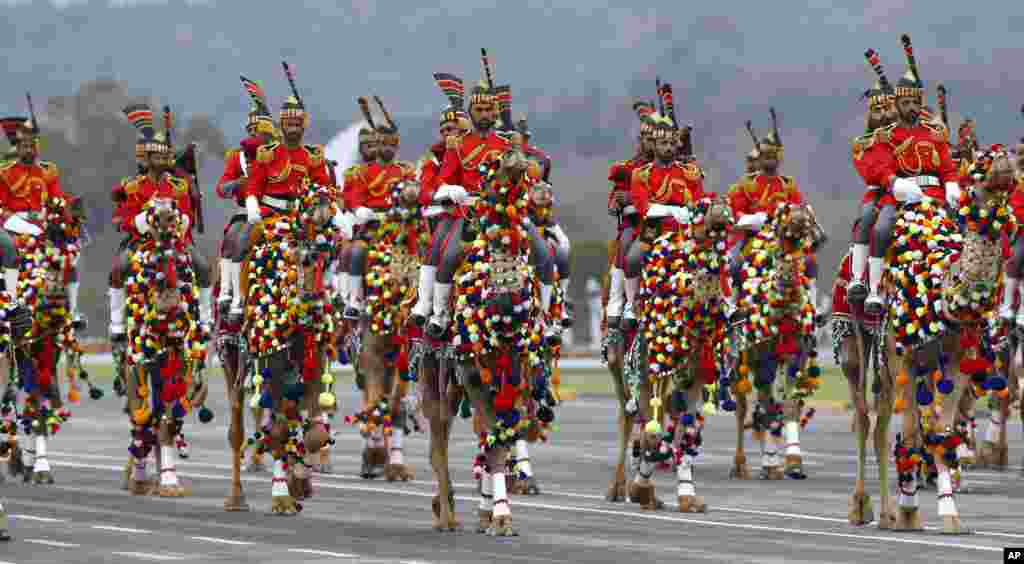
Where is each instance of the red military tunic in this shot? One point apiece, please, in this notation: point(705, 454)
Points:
point(236, 166)
point(757, 193)
point(461, 167)
point(139, 190)
point(430, 173)
point(678, 184)
point(281, 172)
point(352, 176)
point(921, 151)
point(27, 188)
point(621, 175)
point(868, 160)
point(373, 189)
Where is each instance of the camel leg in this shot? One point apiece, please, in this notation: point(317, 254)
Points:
point(396, 468)
point(770, 437)
point(641, 489)
point(908, 517)
point(617, 489)
point(861, 512)
point(687, 438)
point(375, 453)
point(437, 412)
point(236, 435)
point(501, 516)
point(740, 470)
point(169, 485)
point(793, 460)
point(256, 462)
point(884, 407)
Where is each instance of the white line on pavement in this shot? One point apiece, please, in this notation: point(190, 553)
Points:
point(148, 556)
point(591, 510)
point(323, 553)
point(120, 529)
point(52, 543)
point(40, 519)
point(221, 541)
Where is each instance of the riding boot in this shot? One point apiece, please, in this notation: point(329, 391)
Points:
point(116, 313)
point(226, 288)
point(11, 282)
point(615, 297)
point(237, 299)
point(628, 314)
point(355, 299)
point(439, 320)
point(205, 309)
point(73, 303)
point(424, 295)
point(1009, 293)
point(341, 286)
point(873, 305)
point(568, 319)
point(858, 263)
point(551, 333)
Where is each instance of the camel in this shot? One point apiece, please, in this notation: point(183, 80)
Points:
point(777, 333)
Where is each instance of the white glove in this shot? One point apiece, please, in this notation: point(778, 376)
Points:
point(953, 193)
point(364, 216)
point(660, 210)
point(456, 194)
point(252, 210)
point(753, 219)
point(141, 223)
point(344, 221)
point(906, 190)
point(18, 224)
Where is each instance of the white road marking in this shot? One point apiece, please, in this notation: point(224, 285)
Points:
point(148, 556)
point(52, 543)
point(40, 519)
point(221, 541)
point(120, 529)
point(592, 510)
point(323, 553)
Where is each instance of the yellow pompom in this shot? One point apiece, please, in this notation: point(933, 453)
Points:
point(652, 427)
point(326, 400)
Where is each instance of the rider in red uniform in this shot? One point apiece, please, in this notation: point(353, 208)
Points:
point(620, 205)
point(915, 163)
point(657, 189)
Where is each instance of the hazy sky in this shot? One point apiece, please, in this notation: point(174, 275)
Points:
point(574, 65)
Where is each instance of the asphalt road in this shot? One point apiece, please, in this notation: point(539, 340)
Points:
point(86, 518)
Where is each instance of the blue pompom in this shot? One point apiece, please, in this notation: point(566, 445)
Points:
point(996, 383)
point(924, 396)
point(179, 411)
point(729, 405)
point(205, 415)
point(688, 419)
point(945, 386)
point(266, 402)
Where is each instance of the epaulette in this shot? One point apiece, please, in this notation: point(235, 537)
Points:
point(180, 184)
point(353, 170)
point(4, 165)
point(131, 185)
point(691, 170)
point(883, 134)
point(49, 168)
point(316, 154)
point(643, 173)
point(406, 166)
point(265, 154)
point(940, 132)
point(230, 153)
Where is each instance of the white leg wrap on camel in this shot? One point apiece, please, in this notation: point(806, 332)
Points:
point(41, 464)
point(486, 492)
point(994, 431)
point(395, 455)
point(28, 457)
point(168, 473)
point(226, 288)
point(280, 487)
point(139, 469)
point(684, 472)
point(523, 458)
point(634, 461)
point(791, 435)
point(645, 472)
point(907, 498)
point(947, 506)
point(501, 508)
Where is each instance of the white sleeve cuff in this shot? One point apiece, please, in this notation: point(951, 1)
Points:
point(141, 223)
